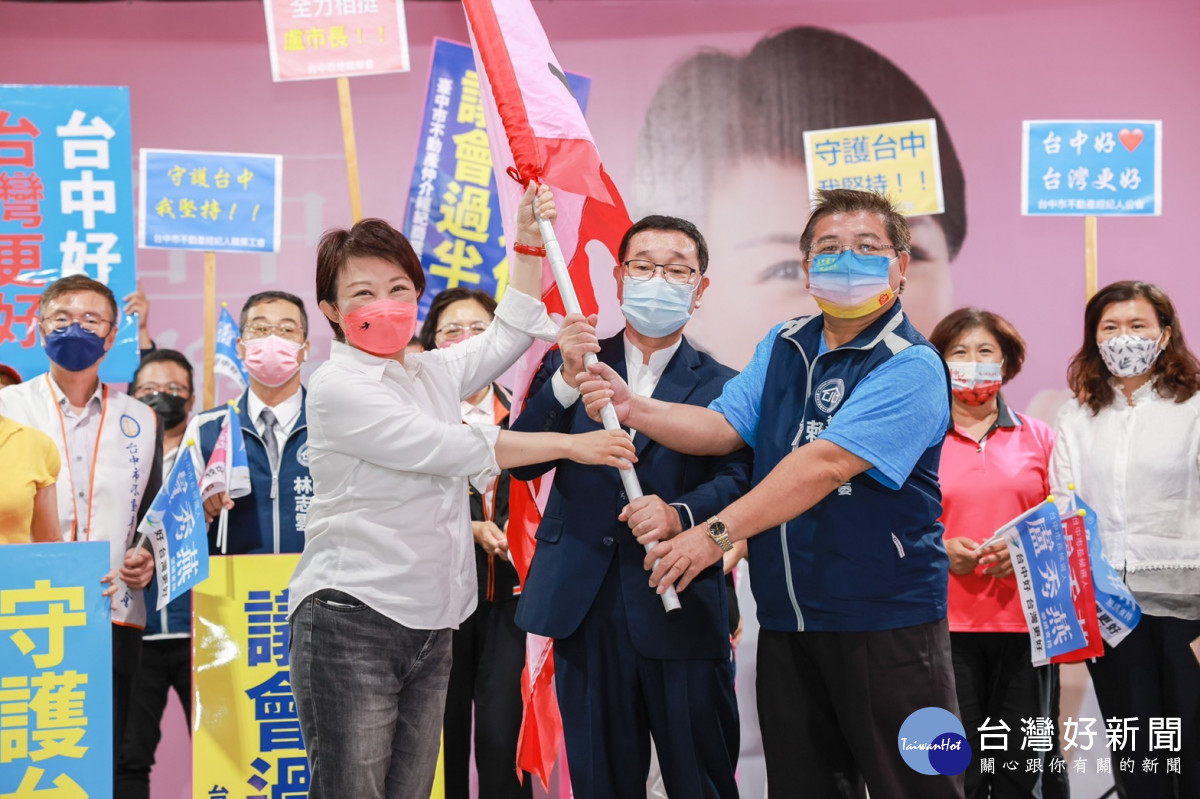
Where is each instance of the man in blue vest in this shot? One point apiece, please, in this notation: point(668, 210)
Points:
point(624, 669)
point(273, 345)
point(846, 412)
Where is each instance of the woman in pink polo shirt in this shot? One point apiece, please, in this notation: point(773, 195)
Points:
point(995, 465)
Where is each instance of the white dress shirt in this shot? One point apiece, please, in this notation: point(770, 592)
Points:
point(1138, 466)
point(642, 378)
point(82, 430)
point(287, 413)
point(390, 522)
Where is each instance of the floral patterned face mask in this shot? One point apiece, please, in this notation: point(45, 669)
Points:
point(1130, 355)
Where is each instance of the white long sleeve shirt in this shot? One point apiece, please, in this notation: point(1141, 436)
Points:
point(1138, 466)
point(390, 459)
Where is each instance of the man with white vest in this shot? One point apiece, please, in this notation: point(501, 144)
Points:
point(111, 450)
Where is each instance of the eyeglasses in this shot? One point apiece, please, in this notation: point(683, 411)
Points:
point(174, 389)
point(93, 323)
point(286, 330)
point(862, 248)
point(672, 273)
point(455, 331)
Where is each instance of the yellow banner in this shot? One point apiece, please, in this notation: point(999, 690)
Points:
point(899, 160)
point(246, 741)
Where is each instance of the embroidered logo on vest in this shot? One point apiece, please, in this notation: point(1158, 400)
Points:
point(302, 455)
point(829, 394)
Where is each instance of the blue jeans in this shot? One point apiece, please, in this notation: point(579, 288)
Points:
point(370, 694)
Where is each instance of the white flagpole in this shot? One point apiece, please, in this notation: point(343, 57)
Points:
point(558, 264)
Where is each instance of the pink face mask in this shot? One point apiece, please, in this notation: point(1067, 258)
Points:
point(272, 360)
point(382, 327)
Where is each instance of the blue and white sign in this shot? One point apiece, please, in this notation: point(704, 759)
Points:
point(1042, 568)
point(56, 664)
point(175, 527)
point(218, 202)
point(1091, 168)
point(453, 219)
point(66, 208)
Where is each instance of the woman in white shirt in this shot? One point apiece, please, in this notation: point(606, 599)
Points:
point(1130, 444)
point(388, 566)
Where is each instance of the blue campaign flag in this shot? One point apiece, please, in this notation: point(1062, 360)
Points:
point(221, 202)
point(1116, 609)
point(66, 165)
point(453, 216)
point(227, 362)
point(56, 663)
point(1091, 168)
point(1041, 566)
point(175, 527)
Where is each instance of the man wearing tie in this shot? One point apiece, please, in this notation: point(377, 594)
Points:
point(273, 345)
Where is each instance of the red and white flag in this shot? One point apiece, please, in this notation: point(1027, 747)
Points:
point(537, 132)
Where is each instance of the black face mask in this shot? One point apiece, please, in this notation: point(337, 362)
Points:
point(170, 409)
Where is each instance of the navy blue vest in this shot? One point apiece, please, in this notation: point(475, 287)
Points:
point(866, 557)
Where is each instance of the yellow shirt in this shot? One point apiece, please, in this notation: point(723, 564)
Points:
point(28, 461)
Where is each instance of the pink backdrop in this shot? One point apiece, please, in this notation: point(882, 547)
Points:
point(200, 79)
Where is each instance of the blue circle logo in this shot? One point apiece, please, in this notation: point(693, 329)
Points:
point(932, 741)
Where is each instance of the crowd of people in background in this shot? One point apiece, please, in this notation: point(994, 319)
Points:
point(857, 465)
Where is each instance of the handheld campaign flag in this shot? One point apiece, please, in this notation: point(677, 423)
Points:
point(536, 131)
point(227, 363)
point(1117, 610)
point(228, 468)
point(1043, 573)
point(175, 528)
point(1083, 595)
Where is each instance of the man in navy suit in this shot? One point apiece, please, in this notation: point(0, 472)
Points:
point(625, 669)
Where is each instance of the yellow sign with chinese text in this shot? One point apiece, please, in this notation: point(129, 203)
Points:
point(897, 159)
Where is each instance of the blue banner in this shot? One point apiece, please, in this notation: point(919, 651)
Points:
point(1080, 168)
point(221, 202)
point(453, 216)
point(175, 527)
point(1116, 609)
point(66, 208)
point(227, 363)
point(1042, 568)
point(55, 671)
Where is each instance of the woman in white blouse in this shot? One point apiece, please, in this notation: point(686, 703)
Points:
point(388, 566)
point(1130, 444)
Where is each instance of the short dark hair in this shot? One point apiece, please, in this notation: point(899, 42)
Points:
point(273, 296)
point(164, 356)
point(1012, 345)
point(848, 201)
point(1176, 370)
point(428, 334)
point(368, 237)
point(73, 283)
point(715, 109)
point(661, 222)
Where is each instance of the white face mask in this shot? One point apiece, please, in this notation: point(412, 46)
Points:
point(1130, 355)
point(655, 307)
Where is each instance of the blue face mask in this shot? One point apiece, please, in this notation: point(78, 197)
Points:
point(655, 307)
point(849, 285)
point(74, 348)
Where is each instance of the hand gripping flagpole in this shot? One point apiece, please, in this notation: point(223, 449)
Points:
point(608, 415)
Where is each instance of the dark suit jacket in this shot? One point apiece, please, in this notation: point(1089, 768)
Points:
point(580, 534)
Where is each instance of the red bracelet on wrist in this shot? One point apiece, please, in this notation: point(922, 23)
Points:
point(526, 249)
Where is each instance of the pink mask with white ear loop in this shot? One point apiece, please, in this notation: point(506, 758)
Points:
point(272, 360)
point(382, 327)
